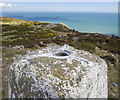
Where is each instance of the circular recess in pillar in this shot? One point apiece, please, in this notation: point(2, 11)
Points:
point(62, 53)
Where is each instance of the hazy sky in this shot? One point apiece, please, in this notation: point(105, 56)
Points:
point(60, 0)
point(59, 6)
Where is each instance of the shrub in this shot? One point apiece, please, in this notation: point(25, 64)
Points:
point(109, 58)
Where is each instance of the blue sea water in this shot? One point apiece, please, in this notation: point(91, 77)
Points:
point(105, 23)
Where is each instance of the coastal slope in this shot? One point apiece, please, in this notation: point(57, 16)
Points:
point(18, 36)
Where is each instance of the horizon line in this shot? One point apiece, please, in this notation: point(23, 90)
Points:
point(61, 11)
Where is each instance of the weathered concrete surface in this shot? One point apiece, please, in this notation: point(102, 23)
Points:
point(43, 74)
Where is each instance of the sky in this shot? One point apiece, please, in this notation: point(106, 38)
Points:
point(60, 0)
point(59, 6)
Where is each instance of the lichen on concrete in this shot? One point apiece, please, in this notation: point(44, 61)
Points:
point(42, 74)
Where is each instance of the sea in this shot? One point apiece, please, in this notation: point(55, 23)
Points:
point(105, 23)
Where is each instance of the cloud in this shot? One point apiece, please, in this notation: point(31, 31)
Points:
point(7, 5)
